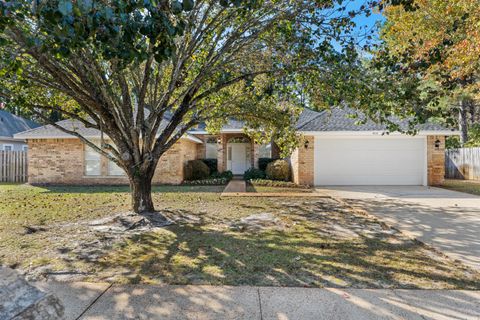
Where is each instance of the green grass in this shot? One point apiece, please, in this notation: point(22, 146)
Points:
point(467, 186)
point(302, 253)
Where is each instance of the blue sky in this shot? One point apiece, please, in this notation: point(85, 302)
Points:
point(363, 22)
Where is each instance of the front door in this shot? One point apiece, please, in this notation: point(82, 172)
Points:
point(239, 157)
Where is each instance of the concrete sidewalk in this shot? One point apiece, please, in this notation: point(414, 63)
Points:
point(105, 301)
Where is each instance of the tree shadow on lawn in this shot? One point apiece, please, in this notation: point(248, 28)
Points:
point(126, 189)
point(192, 255)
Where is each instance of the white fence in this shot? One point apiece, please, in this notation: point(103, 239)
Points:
point(13, 166)
point(462, 163)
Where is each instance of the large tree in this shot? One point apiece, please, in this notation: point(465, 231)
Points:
point(438, 41)
point(121, 66)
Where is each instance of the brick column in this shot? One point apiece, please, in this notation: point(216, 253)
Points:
point(302, 160)
point(436, 160)
point(255, 154)
point(222, 154)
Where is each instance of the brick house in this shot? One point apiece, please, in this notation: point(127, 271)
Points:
point(334, 151)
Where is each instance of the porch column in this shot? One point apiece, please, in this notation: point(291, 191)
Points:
point(255, 154)
point(222, 154)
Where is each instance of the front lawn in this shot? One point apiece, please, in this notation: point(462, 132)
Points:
point(218, 240)
point(467, 186)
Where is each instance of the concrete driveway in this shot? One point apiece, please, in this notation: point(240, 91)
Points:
point(447, 220)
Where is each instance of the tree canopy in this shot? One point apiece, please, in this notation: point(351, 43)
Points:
point(145, 72)
point(438, 42)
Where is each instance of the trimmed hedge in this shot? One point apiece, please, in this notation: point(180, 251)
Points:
point(263, 162)
point(196, 170)
point(212, 165)
point(278, 170)
point(253, 173)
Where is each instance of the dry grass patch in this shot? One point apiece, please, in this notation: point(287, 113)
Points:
point(467, 186)
point(313, 242)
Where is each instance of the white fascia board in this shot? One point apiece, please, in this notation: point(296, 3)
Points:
point(192, 138)
point(12, 139)
point(69, 136)
point(63, 136)
point(377, 133)
point(221, 131)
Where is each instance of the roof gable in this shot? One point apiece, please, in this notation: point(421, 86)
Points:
point(340, 119)
point(11, 124)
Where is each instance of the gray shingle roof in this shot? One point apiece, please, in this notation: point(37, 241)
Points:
point(49, 131)
point(11, 124)
point(339, 119)
point(336, 119)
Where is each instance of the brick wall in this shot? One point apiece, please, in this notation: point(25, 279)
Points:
point(302, 160)
point(435, 160)
point(61, 161)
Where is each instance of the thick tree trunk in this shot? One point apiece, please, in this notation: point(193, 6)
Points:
point(141, 187)
point(462, 121)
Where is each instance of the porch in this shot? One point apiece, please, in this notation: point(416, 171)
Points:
point(234, 151)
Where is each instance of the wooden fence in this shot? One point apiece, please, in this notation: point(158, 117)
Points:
point(13, 166)
point(462, 163)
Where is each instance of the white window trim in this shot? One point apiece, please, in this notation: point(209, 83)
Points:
point(24, 148)
point(85, 173)
point(7, 145)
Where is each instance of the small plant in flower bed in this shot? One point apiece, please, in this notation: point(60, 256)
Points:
point(207, 182)
point(276, 183)
point(225, 175)
point(216, 178)
point(253, 173)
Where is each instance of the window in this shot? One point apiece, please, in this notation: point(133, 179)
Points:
point(265, 151)
point(92, 162)
point(8, 147)
point(211, 151)
point(25, 148)
point(114, 169)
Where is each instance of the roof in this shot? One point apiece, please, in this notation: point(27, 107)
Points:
point(340, 119)
point(333, 120)
point(231, 125)
point(11, 124)
point(50, 132)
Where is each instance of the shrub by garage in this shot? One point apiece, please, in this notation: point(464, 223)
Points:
point(278, 170)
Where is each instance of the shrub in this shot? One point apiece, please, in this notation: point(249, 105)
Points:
point(207, 182)
point(278, 170)
point(273, 183)
point(223, 175)
point(263, 162)
point(196, 170)
point(253, 173)
point(211, 164)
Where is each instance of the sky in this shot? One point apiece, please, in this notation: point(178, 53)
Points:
point(363, 22)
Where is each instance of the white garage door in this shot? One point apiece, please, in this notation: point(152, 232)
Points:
point(391, 160)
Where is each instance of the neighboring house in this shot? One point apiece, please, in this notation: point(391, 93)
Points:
point(11, 124)
point(335, 151)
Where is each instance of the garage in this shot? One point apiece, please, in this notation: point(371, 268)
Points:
point(370, 160)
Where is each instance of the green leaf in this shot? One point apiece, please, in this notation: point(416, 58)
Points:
point(188, 5)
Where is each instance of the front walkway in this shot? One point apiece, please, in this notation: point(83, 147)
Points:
point(236, 186)
point(447, 220)
point(103, 301)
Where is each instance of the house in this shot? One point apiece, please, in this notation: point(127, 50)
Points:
point(335, 151)
point(11, 124)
